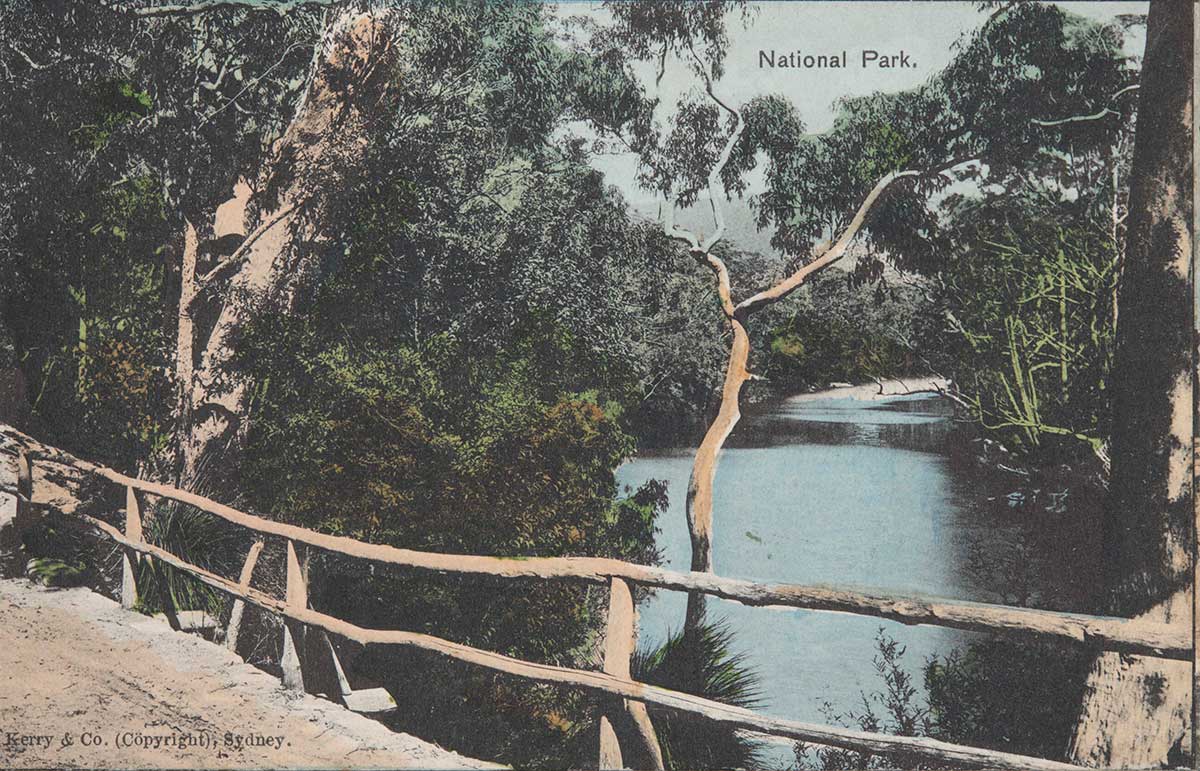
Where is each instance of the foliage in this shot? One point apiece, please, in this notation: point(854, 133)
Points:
point(482, 331)
point(1007, 695)
point(201, 539)
point(904, 713)
point(457, 375)
point(55, 572)
point(702, 663)
point(839, 330)
point(1051, 64)
point(998, 694)
point(86, 306)
point(1028, 291)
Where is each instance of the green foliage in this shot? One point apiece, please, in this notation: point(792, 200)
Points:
point(1030, 62)
point(904, 713)
point(459, 375)
point(55, 572)
point(998, 694)
point(61, 552)
point(1006, 695)
point(87, 301)
point(487, 329)
point(116, 104)
point(103, 361)
point(381, 445)
point(651, 29)
point(701, 663)
point(838, 330)
point(1029, 293)
point(198, 538)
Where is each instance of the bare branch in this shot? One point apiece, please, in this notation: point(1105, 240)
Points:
point(32, 64)
point(714, 174)
point(669, 228)
point(827, 253)
point(250, 84)
point(723, 288)
point(1104, 113)
point(234, 260)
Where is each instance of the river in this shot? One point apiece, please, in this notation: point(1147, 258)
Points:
point(834, 491)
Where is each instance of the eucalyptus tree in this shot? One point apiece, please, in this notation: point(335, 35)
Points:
point(276, 103)
point(868, 179)
point(1149, 538)
point(157, 108)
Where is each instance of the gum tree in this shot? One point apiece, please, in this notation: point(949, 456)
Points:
point(866, 181)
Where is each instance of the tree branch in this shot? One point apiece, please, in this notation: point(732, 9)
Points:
point(671, 231)
point(239, 256)
point(828, 254)
point(1105, 112)
point(714, 174)
point(723, 288)
point(32, 64)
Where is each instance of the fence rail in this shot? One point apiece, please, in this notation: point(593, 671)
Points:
point(1100, 632)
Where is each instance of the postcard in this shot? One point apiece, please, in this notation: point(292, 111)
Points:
point(648, 384)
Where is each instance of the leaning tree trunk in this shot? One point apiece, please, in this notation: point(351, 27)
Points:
point(699, 505)
point(322, 145)
point(1136, 710)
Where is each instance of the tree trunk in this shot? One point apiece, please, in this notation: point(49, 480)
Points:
point(704, 466)
point(322, 145)
point(1136, 710)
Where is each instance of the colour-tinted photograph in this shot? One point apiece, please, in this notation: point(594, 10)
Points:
point(671, 385)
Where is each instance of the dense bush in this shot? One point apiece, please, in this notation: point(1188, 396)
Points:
point(841, 328)
point(1028, 299)
point(1006, 695)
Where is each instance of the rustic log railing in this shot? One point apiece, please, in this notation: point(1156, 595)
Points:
point(614, 682)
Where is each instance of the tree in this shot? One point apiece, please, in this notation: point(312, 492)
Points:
point(1148, 535)
point(869, 177)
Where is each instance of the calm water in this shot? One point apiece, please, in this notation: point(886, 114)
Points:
point(838, 492)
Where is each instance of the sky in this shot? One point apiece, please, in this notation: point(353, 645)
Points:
point(925, 31)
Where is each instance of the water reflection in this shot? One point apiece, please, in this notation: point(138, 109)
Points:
point(915, 423)
point(828, 491)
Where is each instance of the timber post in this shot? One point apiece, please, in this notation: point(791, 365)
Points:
point(12, 531)
point(239, 607)
point(130, 558)
point(620, 638)
point(24, 511)
point(293, 631)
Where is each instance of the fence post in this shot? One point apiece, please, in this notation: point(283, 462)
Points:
point(293, 632)
point(130, 558)
point(24, 511)
point(11, 532)
point(619, 641)
point(239, 607)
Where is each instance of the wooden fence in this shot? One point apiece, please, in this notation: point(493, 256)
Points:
point(614, 681)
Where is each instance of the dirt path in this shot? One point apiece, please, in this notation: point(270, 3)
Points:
point(85, 684)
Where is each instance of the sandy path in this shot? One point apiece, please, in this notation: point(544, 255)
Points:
point(74, 664)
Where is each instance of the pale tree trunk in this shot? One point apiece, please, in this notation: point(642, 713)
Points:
point(1136, 710)
point(704, 466)
point(737, 371)
point(324, 141)
point(185, 334)
point(1195, 396)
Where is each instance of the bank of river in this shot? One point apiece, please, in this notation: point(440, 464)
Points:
point(828, 489)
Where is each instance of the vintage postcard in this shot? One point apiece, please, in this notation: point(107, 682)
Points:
point(648, 384)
